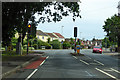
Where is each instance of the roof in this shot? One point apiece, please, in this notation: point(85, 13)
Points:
point(39, 32)
point(58, 34)
point(51, 35)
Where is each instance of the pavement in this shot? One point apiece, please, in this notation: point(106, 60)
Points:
point(13, 64)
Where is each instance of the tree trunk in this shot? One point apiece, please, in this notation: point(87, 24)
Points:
point(119, 43)
point(18, 48)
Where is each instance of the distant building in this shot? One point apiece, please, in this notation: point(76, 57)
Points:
point(59, 36)
point(52, 36)
point(67, 39)
point(42, 36)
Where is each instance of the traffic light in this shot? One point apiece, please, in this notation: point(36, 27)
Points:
point(29, 28)
point(75, 31)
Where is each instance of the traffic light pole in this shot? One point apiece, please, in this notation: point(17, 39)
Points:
point(27, 43)
point(75, 44)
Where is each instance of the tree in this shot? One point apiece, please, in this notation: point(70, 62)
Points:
point(66, 45)
point(19, 15)
point(112, 27)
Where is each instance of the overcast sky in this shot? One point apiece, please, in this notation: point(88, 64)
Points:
point(93, 12)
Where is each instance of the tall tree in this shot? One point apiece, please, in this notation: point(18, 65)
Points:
point(17, 15)
point(112, 27)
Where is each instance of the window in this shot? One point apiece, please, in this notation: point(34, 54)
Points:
point(43, 37)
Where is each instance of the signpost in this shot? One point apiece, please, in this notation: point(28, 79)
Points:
point(75, 35)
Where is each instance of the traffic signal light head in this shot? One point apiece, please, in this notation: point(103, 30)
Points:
point(29, 26)
point(75, 31)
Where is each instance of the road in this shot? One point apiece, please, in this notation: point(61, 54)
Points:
point(60, 64)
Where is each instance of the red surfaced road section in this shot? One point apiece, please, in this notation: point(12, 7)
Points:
point(35, 64)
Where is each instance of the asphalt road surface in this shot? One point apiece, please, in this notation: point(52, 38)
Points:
point(60, 64)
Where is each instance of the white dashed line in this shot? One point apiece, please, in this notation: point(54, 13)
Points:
point(84, 62)
point(88, 57)
point(75, 57)
point(115, 70)
point(106, 73)
point(99, 62)
point(31, 74)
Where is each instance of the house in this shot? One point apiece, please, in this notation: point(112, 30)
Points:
point(42, 36)
point(59, 36)
point(51, 36)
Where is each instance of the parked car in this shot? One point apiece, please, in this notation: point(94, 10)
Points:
point(97, 49)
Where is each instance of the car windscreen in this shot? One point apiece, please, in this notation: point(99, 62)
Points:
point(97, 47)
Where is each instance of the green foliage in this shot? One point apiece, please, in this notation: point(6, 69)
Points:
point(14, 41)
point(112, 28)
point(71, 41)
point(48, 40)
point(66, 45)
point(55, 44)
point(16, 16)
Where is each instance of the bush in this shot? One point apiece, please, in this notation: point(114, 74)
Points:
point(55, 44)
point(66, 45)
point(25, 47)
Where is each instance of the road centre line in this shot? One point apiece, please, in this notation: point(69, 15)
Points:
point(106, 73)
point(75, 57)
point(31, 74)
point(99, 62)
point(115, 70)
point(84, 62)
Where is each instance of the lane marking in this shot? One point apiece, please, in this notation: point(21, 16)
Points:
point(84, 62)
point(75, 57)
point(115, 70)
point(106, 73)
point(44, 61)
point(47, 57)
point(88, 57)
point(31, 74)
point(88, 73)
point(99, 62)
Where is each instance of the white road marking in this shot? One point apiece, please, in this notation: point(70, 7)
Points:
point(88, 73)
point(84, 62)
point(75, 57)
point(88, 57)
point(106, 73)
point(44, 61)
point(47, 57)
point(99, 62)
point(31, 74)
point(115, 70)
